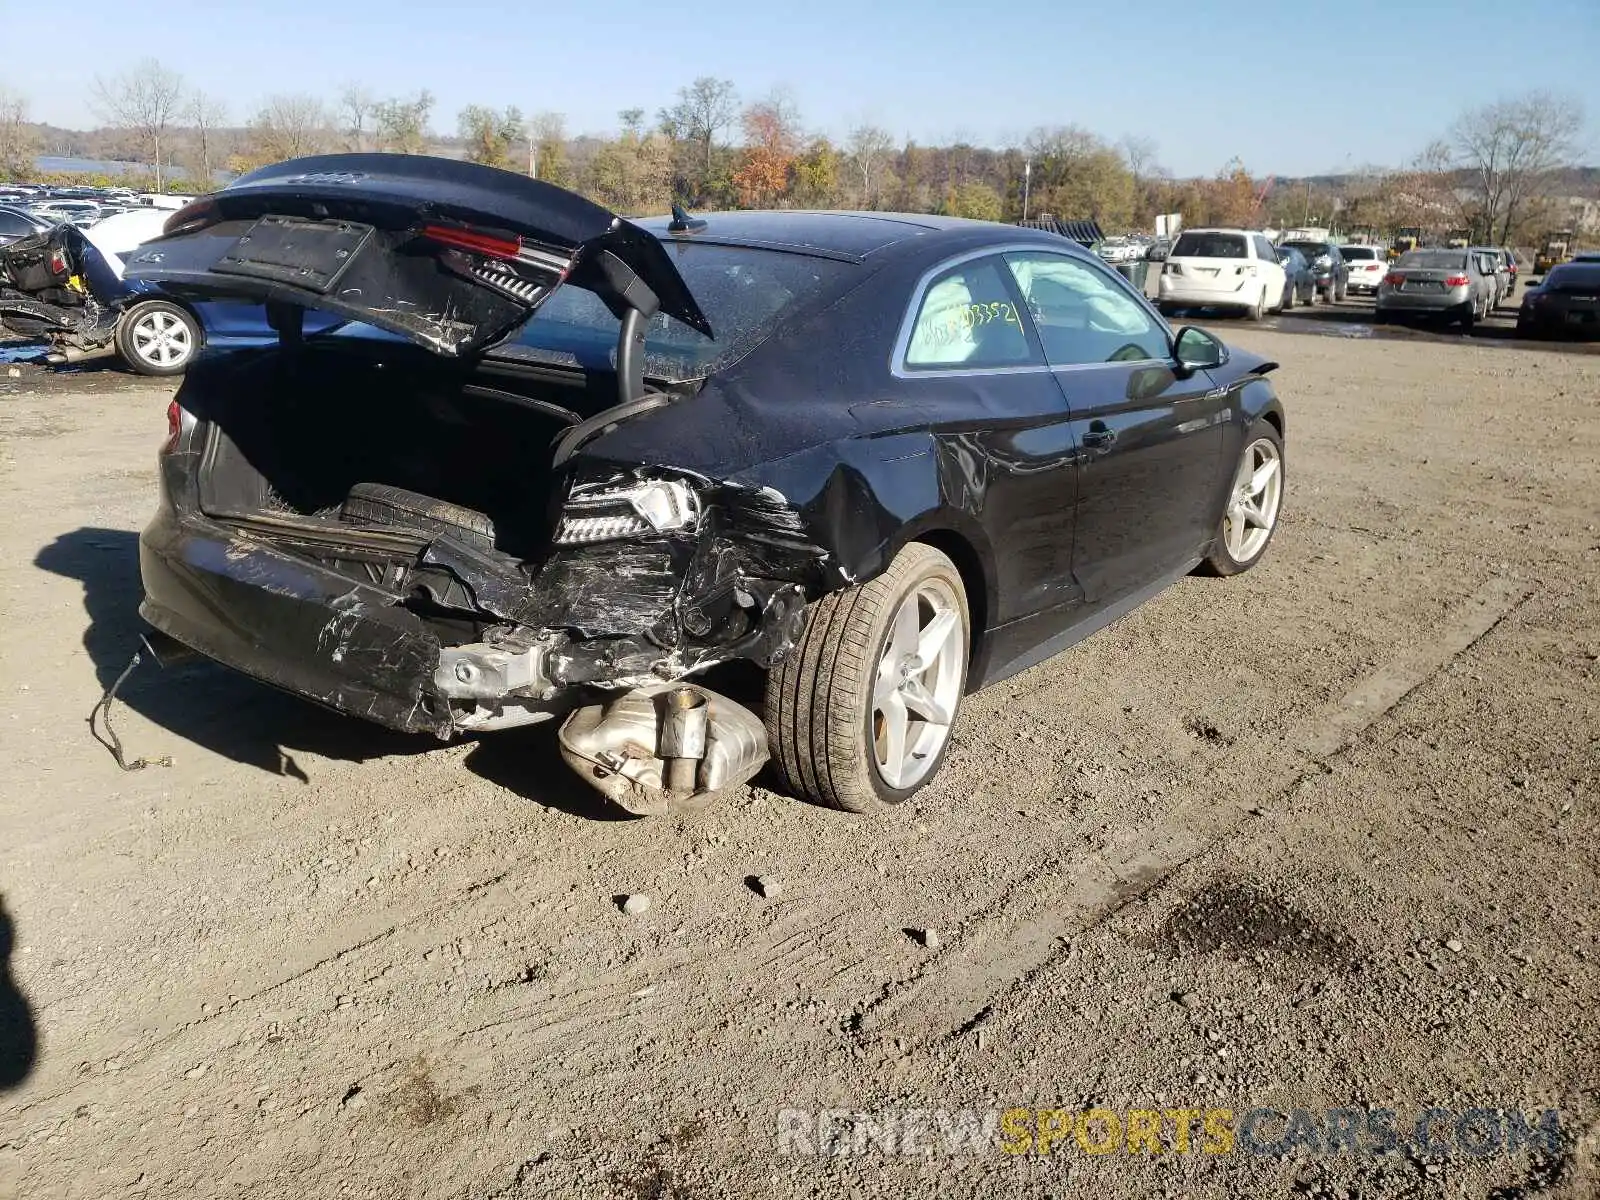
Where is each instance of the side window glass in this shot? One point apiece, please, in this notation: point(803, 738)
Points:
point(968, 319)
point(1083, 314)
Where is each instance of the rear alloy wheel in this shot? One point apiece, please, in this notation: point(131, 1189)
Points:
point(859, 713)
point(1251, 515)
point(158, 338)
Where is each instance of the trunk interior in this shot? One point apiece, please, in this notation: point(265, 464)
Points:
point(362, 458)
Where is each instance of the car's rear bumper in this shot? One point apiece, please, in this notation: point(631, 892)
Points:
point(1441, 302)
point(1560, 322)
point(1365, 282)
point(288, 622)
point(1199, 297)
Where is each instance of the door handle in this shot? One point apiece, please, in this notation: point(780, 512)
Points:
point(1098, 439)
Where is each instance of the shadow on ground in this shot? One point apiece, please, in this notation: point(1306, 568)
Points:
point(19, 1039)
point(227, 713)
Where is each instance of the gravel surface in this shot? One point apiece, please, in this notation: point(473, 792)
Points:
point(1322, 836)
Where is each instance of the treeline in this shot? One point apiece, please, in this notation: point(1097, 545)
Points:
point(712, 148)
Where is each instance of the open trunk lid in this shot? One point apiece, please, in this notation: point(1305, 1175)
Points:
point(450, 255)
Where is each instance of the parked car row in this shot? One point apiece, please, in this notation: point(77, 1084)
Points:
point(1242, 270)
point(22, 205)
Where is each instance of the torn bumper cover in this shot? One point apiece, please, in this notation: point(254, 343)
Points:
point(625, 617)
point(293, 624)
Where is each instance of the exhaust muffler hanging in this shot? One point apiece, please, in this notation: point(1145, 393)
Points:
point(664, 747)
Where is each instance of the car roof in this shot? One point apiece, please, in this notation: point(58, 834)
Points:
point(837, 234)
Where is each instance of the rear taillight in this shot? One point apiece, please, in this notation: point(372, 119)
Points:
point(1457, 281)
point(174, 428)
point(1394, 279)
point(58, 262)
point(488, 244)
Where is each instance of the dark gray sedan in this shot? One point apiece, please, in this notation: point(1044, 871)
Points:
point(1565, 304)
point(1437, 283)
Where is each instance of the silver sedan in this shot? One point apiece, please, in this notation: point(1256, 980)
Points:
point(1455, 284)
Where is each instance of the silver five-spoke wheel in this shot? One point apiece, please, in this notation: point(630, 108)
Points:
point(918, 684)
point(859, 713)
point(1253, 504)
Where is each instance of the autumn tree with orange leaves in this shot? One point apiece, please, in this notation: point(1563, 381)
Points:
point(772, 140)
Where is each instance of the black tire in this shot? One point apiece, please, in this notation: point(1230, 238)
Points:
point(137, 326)
point(819, 698)
point(1328, 293)
point(1258, 312)
point(1469, 319)
point(1288, 298)
point(380, 506)
point(1220, 561)
point(1167, 310)
point(1343, 292)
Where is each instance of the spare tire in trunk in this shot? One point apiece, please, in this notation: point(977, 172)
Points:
point(382, 506)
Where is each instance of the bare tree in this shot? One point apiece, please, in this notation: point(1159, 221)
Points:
point(402, 125)
point(289, 126)
point(357, 109)
point(706, 108)
point(145, 100)
point(17, 143)
point(205, 114)
point(1140, 153)
point(547, 138)
point(1511, 147)
point(869, 148)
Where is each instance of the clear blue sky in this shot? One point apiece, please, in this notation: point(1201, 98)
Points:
point(1292, 88)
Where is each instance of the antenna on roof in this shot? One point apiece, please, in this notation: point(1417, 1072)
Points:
point(682, 222)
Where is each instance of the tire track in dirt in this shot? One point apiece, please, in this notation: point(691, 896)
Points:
point(1000, 946)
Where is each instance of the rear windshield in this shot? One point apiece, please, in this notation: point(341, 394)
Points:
point(1573, 277)
point(743, 293)
point(1358, 253)
point(1433, 260)
point(1310, 249)
point(1210, 245)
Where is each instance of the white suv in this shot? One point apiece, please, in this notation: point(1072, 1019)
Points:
point(1222, 268)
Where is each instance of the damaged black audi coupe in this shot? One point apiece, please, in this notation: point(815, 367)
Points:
point(552, 463)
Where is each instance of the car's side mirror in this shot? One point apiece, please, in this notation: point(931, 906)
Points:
point(1197, 350)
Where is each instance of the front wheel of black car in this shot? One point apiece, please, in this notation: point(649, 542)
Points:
point(156, 337)
point(1254, 501)
point(859, 713)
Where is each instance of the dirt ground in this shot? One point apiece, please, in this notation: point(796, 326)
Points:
point(1320, 837)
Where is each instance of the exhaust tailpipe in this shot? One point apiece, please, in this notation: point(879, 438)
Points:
point(683, 738)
